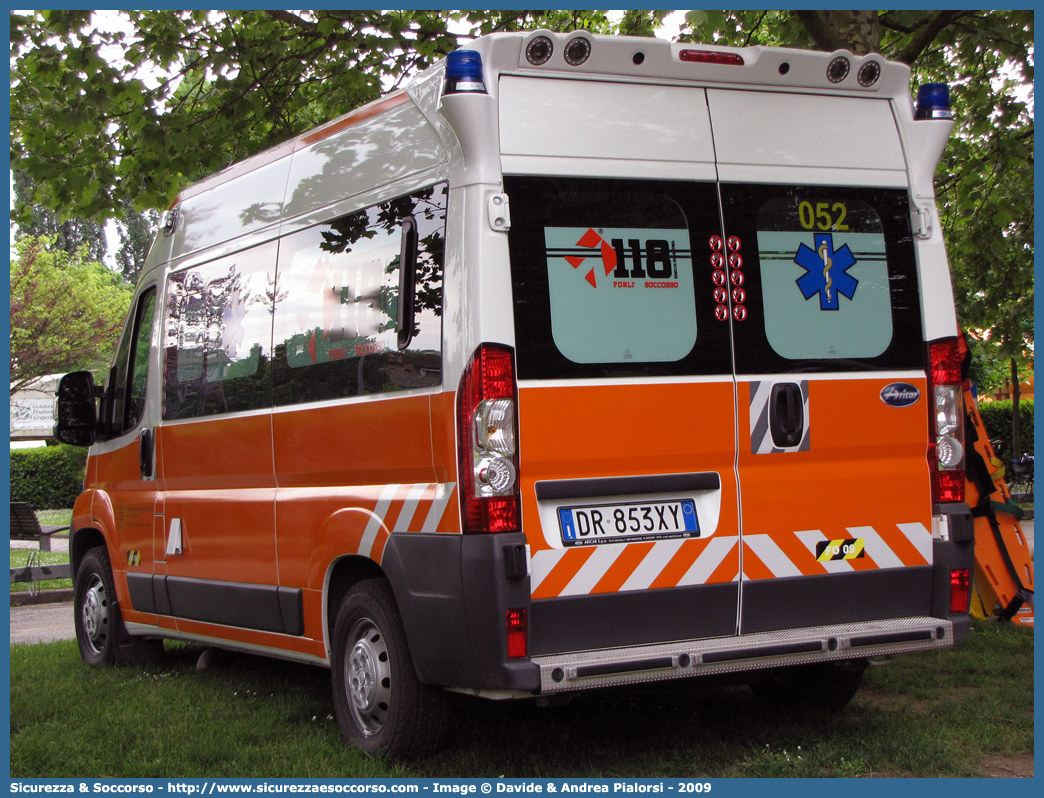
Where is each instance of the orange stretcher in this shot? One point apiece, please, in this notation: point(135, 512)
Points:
point(1002, 585)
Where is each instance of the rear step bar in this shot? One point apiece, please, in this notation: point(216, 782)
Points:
point(592, 669)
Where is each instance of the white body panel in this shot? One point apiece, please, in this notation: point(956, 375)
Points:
point(805, 138)
point(593, 119)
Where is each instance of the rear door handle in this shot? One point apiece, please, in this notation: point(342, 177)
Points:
point(787, 415)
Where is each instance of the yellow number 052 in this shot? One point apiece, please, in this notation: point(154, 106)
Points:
point(820, 216)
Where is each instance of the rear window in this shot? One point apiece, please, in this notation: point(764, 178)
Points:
point(605, 279)
point(621, 278)
point(830, 279)
point(634, 303)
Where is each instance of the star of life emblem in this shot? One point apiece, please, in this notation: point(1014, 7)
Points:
point(826, 271)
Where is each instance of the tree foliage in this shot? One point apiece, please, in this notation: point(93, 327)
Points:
point(136, 230)
point(194, 91)
point(69, 234)
point(66, 311)
point(106, 116)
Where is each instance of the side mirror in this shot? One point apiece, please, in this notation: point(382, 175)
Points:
point(77, 416)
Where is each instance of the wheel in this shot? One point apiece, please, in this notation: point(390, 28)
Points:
point(824, 686)
point(382, 708)
point(100, 633)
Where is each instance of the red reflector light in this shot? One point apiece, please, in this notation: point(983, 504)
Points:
point(711, 57)
point(949, 485)
point(495, 374)
point(960, 589)
point(946, 362)
point(516, 633)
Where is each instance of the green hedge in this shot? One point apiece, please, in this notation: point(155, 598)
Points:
point(50, 478)
point(997, 418)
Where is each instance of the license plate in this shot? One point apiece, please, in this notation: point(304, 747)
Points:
point(613, 523)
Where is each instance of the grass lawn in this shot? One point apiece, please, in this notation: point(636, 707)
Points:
point(964, 712)
point(20, 557)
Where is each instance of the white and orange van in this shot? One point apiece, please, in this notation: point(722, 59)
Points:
point(579, 362)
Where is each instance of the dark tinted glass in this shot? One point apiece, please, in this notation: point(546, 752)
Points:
point(128, 377)
point(217, 335)
point(829, 277)
point(614, 278)
point(140, 361)
point(337, 304)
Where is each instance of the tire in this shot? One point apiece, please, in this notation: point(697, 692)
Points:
point(382, 708)
point(100, 632)
point(827, 686)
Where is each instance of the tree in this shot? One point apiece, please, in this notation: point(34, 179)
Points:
point(66, 311)
point(136, 230)
point(92, 133)
point(68, 234)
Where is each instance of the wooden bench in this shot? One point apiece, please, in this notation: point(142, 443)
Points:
point(26, 526)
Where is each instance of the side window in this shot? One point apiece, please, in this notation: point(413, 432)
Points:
point(129, 375)
point(337, 304)
point(217, 335)
point(139, 365)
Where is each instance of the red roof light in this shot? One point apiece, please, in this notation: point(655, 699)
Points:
point(711, 57)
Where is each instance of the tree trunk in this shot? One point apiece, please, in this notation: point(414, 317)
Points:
point(1016, 443)
point(856, 31)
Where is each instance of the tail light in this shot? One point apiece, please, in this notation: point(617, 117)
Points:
point(516, 632)
point(488, 442)
point(960, 589)
point(946, 451)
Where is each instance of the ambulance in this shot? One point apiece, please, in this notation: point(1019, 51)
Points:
point(579, 362)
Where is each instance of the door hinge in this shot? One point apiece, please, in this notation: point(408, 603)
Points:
point(499, 211)
point(922, 221)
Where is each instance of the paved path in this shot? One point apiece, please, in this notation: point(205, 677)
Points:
point(42, 623)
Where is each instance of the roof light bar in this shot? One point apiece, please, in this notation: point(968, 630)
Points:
point(869, 73)
point(838, 69)
point(577, 50)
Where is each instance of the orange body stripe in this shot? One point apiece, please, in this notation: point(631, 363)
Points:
point(728, 570)
point(622, 568)
point(563, 572)
point(680, 563)
point(803, 559)
point(753, 567)
point(901, 545)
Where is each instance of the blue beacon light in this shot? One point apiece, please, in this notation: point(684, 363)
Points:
point(464, 72)
point(933, 102)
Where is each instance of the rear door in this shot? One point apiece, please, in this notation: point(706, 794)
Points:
point(832, 405)
point(626, 411)
point(831, 393)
